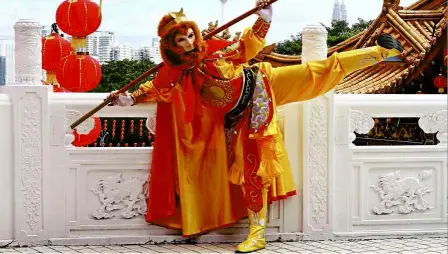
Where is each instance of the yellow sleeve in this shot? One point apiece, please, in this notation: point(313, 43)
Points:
point(252, 41)
point(147, 92)
point(307, 81)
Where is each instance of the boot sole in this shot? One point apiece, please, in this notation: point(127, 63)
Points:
point(237, 251)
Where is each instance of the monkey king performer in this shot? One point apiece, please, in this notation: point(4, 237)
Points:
point(219, 154)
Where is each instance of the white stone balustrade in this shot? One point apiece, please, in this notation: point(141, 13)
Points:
point(389, 190)
point(54, 193)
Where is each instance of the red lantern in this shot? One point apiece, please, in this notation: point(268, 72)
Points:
point(54, 48)
point(89, 138)
point(440, 82)
point(79, 72)
point(78, 18)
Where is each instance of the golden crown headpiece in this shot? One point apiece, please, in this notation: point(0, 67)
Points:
point(179, 17)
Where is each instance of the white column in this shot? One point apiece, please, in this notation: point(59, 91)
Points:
point(30, 136)
point(223, 5)
point(28, 52)
point(317, 146)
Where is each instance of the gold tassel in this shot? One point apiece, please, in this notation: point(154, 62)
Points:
point(441, 90)
point(79, 43)
point(51, 78)
point(101, 5)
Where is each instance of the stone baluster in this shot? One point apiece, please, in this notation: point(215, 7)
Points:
point(30, 142)
point(28, 56)
point(317, 145)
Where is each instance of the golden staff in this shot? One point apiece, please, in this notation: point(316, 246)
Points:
point(155, 68)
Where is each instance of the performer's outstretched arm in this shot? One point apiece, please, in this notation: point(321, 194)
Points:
point(147, 92)
point(306, 81)
point(159, 89)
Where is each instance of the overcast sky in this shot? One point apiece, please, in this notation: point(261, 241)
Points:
point(134, 21)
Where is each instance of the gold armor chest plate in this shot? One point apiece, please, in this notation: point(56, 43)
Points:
point(220, 94)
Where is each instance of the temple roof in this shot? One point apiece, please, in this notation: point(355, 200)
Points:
point(421, 29)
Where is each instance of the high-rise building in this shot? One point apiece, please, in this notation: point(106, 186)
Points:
point(343, 11)
point(46, 31)
point(104, 41)
point(2, 70)
point(122, 52)
point(142, 53)
point(7, 51)
point(339, 11)
point(155, 42)
point(148, 53)
point(155, 51)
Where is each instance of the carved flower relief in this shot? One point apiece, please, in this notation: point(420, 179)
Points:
point(360, 123)
point(318, 157)
point(151, 123)
point(433, 123)
point(31, 161)
point(436, 123)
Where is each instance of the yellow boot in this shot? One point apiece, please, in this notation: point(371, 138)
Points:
point(257, 228)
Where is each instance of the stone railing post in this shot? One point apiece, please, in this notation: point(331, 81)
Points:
point(317, 145)
point(28, 56)
point(30, 140)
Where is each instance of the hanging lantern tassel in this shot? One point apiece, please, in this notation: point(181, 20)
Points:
point(79, 42)
point(51, 78)
point(99, 11)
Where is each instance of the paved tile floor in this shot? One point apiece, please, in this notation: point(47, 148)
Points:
point(389, 246)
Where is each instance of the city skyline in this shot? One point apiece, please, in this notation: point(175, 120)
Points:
point(7, 69)
point(290, 16)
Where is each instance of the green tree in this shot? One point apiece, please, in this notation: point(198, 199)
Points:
point(361, 25)
point(292, 46)
point(338, 32)
point(116, 74)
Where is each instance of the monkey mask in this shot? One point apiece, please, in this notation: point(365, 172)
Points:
point(181, 46)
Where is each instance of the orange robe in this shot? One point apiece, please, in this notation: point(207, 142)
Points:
point(198, 165)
